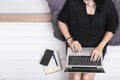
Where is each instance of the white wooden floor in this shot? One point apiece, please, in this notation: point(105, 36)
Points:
point(21, 45)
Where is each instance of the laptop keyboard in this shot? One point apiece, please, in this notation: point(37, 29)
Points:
point(82, 60)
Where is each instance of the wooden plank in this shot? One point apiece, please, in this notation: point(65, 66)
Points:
point(25, 17)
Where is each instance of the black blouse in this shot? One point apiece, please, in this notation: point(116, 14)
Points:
point(90, 18)
point(89, 34)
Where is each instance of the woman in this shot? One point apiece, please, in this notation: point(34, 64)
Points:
point(88, 23)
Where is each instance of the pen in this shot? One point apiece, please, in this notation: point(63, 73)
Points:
point(55, 59)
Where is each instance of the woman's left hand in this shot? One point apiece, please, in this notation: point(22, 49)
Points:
point(96, 54)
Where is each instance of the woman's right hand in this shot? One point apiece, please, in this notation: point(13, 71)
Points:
point(75, 45)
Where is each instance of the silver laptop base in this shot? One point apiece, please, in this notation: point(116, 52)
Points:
point(84, 70)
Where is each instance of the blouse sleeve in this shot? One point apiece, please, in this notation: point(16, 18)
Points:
point(112, 20)
point(64, 14)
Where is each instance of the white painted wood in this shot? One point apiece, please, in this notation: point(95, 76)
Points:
point(21, 45)
point(24, 6)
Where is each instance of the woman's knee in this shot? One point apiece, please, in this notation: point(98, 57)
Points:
point(75, 76)
point(88, 76)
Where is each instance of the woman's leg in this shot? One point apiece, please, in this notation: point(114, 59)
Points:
point(74, 76)
point(88, 76)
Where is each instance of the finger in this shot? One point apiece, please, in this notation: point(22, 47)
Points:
point(79, 46)
point(76, 48)
point(92, 56)
point(99, 58)
point(95, 57)
point(73, 48)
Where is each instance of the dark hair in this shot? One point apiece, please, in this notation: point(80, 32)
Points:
point(99, 3)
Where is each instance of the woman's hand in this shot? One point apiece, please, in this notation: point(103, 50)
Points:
point(75, 45)
point(96, 54)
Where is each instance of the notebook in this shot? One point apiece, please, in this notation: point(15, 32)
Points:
point(54, 64)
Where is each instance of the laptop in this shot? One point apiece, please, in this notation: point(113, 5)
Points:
point(80, 62)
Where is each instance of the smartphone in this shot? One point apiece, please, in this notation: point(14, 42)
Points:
point(46, 57)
